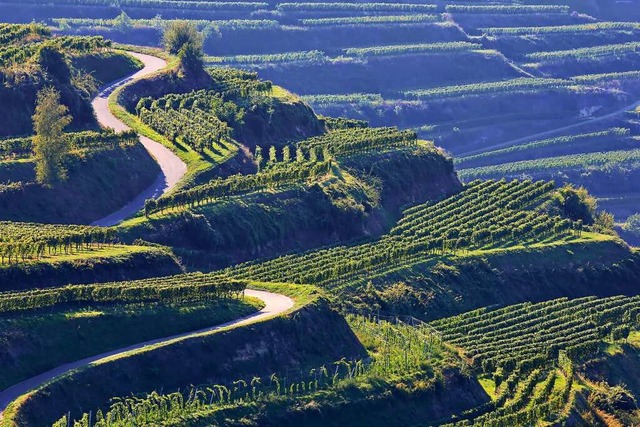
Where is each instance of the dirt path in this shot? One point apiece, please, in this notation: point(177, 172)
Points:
point(275, 304)
point(172, 169)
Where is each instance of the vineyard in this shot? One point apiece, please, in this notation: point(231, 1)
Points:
point(486, 214)
point(530, 350)
point(402, 350)
point(598, 161)
point(27, 241)
point(174, 289)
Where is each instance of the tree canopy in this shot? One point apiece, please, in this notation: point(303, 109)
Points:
point(50, 145)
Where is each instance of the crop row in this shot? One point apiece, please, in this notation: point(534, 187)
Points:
point(483, 215)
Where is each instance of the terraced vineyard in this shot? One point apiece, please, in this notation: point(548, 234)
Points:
point(530, 350)
point(399, 237)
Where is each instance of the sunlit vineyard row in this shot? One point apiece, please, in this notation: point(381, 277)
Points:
point(173, 289)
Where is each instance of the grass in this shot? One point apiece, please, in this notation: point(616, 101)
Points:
point(41, 340)
point(489, 386)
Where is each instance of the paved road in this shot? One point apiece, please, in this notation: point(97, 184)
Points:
point(550, 133)
point(275, 304)
point(172, 168)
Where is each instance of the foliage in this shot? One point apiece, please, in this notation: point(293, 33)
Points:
point(179, 288)
point(520, 346)
point(182, 38)
point(632, 225)
point(50, 145)
point(485, 215)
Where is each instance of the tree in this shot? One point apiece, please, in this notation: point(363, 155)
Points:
point(49, 144)
point(632, 225)
point(183, 39)
point(576, 204)
point(123, 23)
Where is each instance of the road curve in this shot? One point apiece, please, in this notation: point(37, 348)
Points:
point(172, 169)
point(549, 133)
point(275, 304)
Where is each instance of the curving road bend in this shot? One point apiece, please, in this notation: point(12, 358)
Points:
point(275, 304)
point(172, 169)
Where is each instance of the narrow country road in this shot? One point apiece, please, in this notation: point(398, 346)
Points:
point(549, 133)
point(275, 304)
point(172, 169)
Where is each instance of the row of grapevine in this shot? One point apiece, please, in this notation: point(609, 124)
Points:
point(344, 142)
point(355, 7)
point(444, 47)
point(23, 147)
point(563, 29)
point(522, 84)
point(586, 52)
point(581, 139)
point(372, 20)
point(21, 241)
point(506, 9)
point(601, 160)
point(284, 174)
point(173, 289)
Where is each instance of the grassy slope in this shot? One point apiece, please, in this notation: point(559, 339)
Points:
point(41, 340)
point(107, 66)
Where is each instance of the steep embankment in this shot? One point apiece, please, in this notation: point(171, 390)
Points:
point(361, 197)
point(172, 167)
point(218, 356)
point(100, 180)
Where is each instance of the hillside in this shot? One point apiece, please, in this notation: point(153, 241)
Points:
point(323, 214)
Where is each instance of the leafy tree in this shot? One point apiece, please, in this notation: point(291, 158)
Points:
point(49, 144)
point(123, 23)
point(633, 224)
point(183, 39)
point(576, 204)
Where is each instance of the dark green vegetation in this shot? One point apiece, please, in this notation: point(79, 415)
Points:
point(529, 294)
point(96, 160)
point(54, 177)
point(31, 59)
point(44, 339)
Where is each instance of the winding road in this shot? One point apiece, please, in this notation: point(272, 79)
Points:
point(172, 168)
point(275, 304)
